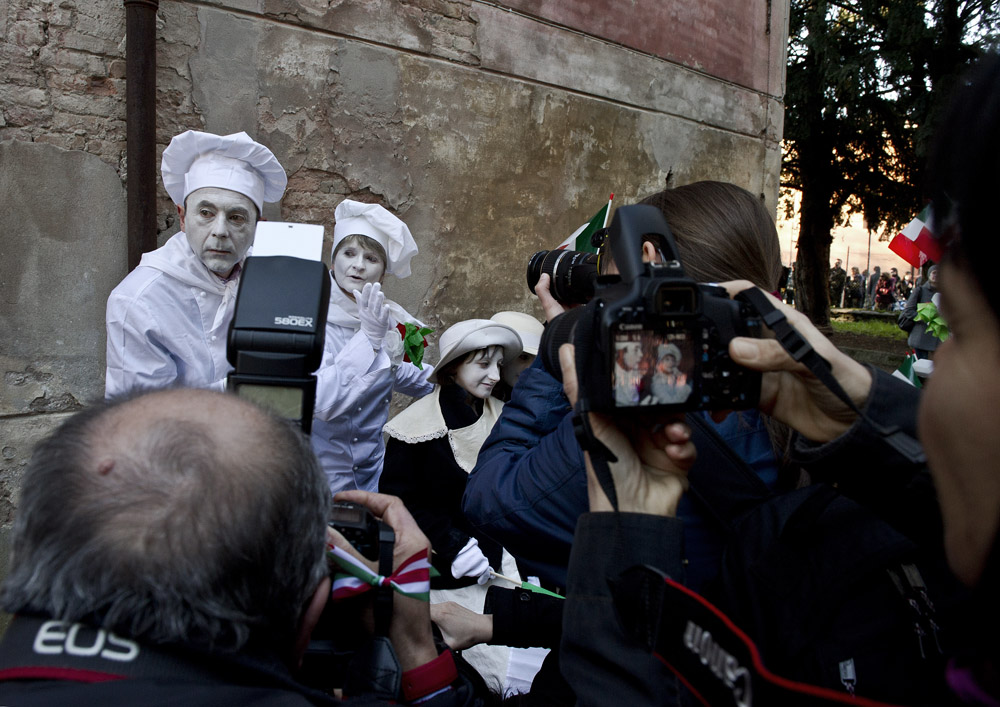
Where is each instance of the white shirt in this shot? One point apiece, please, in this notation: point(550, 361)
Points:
point(167, 323)
point(353, 394)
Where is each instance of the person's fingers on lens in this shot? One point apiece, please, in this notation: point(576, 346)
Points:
point(550, 305)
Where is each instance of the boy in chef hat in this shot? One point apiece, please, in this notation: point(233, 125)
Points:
point(371, 343)
point(167, 320)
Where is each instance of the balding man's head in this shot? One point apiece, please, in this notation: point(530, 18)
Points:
point(178, 515)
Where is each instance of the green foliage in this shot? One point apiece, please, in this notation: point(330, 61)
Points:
point(866, 81)
point(869, 327)
point(414, 342)
point(928, 313)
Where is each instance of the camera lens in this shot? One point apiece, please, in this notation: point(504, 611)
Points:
point(572, 274)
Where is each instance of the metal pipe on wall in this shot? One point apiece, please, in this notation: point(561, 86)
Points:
point(140, 126)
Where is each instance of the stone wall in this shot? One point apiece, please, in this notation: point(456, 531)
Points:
point(493, 129)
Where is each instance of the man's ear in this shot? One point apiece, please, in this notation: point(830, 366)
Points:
point(649, 252)
point(180, 215)
point(310, 617)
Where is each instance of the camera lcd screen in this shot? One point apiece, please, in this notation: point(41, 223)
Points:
point(653, 367)
point(283, 401)
point(347, 514)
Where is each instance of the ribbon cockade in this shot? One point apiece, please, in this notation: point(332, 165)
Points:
point(412, 578)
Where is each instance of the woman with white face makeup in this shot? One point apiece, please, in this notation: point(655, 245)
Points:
point(433, 445)
point(363, 349)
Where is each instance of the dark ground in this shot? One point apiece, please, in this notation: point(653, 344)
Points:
point(879, 351)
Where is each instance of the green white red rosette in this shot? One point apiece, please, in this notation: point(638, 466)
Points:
point(414, 342)
point(928, 313)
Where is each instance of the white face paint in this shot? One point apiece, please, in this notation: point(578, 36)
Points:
point(632, 355)
point(353, 266)
point(479, 374)
point(513, 370)
point(219, 225)
point(667, 364)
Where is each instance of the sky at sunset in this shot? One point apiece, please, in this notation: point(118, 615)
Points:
point(853, 237)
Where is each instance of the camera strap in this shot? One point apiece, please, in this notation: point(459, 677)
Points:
point(600, 455)
point(802, 351)
point(383, 593)
point(705, 648)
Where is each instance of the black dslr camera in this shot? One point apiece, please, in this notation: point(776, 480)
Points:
point(652, 338)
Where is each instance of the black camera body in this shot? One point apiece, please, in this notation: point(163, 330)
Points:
point(358, 526)
point(652, 338)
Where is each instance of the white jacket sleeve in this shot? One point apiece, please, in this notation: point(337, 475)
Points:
point(136, 354)
point(412, 381)
point(344, 378)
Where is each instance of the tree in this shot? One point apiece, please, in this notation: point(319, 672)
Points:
point(866, 80)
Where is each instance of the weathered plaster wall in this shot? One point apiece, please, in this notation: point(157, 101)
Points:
point(493, 128)
point(61, 257)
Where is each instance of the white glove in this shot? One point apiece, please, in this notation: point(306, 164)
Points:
point(373, 313)
point(471, 562)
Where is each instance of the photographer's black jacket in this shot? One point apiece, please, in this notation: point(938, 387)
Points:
point(614, 669)
point(56, 663)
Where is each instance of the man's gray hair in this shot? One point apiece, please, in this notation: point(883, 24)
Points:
point(177, 541)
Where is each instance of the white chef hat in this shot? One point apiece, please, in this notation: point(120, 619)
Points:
point(527, 327)
point(194, 160)
point(356, 218)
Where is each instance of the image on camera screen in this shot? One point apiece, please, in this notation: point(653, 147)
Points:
point(653, 367)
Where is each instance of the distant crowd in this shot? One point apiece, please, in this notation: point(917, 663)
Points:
point(877, 291)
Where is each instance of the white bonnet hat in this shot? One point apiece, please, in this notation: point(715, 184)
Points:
point(194, 160)
point(472, 335)
point(356, 218)
point(527, 327)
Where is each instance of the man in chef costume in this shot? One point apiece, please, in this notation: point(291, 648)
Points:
point(167, 320)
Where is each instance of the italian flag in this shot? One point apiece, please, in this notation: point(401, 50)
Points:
point(580, 239)
point(915, 244)
point(905, 371)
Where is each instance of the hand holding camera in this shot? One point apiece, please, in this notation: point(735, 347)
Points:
point(550, 305)
point(789, 391)
point(654, 455)
point(410, 630)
